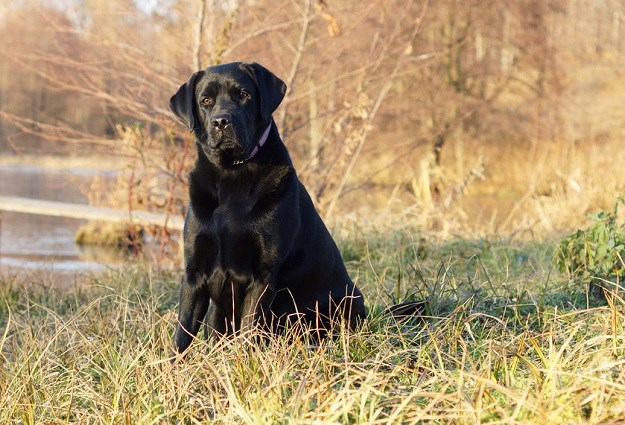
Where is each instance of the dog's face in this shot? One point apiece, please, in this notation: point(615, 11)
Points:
point(228, 107)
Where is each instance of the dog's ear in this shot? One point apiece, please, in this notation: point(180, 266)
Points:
point(183, 103)
point(270, 88)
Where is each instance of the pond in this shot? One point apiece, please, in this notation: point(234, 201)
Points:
point(42, 243)
point(31, 242)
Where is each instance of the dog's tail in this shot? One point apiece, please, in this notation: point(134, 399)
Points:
point(407, 310)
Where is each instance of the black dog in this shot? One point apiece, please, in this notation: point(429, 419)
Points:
point(256, 251)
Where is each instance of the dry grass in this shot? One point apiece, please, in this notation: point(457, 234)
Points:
point(508, 341)
point(494, 190)
point(542, 182)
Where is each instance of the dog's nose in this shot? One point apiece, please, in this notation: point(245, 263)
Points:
point(221, 121)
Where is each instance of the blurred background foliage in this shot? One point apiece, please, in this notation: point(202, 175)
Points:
point(481, 116)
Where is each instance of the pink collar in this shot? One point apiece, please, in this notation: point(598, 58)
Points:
point(260, 143)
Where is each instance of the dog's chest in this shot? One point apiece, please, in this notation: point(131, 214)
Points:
point(237, 240)
point(230, 218)
point(235, 230)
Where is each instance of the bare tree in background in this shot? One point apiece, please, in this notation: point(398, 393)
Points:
point(370, 90)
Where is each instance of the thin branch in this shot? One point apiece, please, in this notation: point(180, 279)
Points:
point(307, 18)
point(58, 132)
point(261, 31)
point(197, 55)
point(366, 128)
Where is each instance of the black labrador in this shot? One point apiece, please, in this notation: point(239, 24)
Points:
point(256, 252)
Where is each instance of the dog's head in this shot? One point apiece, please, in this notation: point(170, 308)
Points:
point(228, 107)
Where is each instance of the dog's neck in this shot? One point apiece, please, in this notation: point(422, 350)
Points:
point(258, 145)
point(270, 159)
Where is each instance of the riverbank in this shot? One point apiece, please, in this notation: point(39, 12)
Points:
point(57, 162)
point(34, 242)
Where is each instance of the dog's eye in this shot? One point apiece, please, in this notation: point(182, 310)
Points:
point(244, 94)
point(207, 101)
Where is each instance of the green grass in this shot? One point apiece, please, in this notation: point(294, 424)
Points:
point(508, 340)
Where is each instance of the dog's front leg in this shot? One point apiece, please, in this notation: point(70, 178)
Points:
point(215, 322)
point(255, 307)
point(194, 300)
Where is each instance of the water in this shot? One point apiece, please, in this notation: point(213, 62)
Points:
point(37, 242)
point(41, 243)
